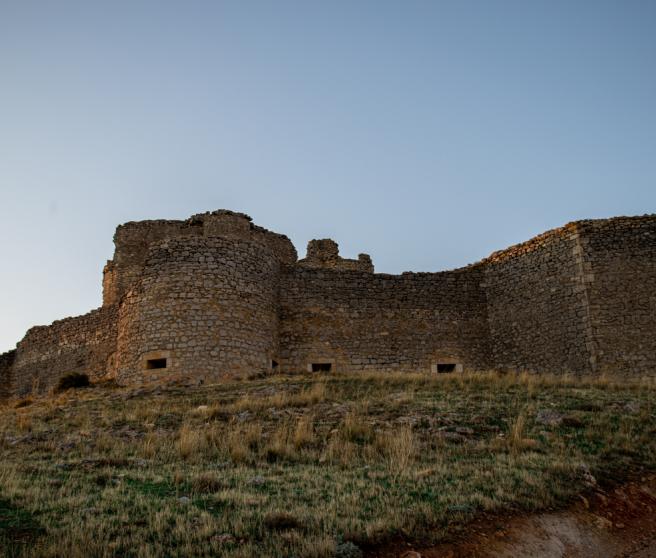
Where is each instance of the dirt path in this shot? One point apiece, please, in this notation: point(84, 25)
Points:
point(618, 523)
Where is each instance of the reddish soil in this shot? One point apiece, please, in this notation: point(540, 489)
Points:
point(613, 523)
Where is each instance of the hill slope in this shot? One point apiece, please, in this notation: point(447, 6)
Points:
point(306, 465)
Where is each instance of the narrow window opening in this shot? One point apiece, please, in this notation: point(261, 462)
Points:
point(321, 366)
point(153, 363)
point(445, 368)
point(274, 364)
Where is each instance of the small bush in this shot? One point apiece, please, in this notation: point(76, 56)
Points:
point(280, 521)
point(24, 402)
point(347, 550)
point(206, 482)
point(72, 380)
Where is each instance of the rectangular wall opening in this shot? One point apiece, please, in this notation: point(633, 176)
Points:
point(321, 367)
point(445, 368)
point(274, 364)
point(154, 363)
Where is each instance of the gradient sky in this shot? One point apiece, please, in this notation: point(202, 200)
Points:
point(426, 133)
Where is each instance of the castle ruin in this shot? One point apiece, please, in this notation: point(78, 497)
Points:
point(216, 296)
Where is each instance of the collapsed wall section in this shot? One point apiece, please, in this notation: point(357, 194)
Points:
point(84, 344)
point(620, 260)
point(204, 307)
point(362, 321)
point(538, 310)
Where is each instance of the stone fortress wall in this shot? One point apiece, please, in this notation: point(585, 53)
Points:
point(207, 305)
point(6, 376)
point(83, 344)
point(215, 296)
point(366, 321)
point(537, 310)
point(619, 256)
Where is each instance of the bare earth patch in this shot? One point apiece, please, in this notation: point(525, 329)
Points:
point(614, 523)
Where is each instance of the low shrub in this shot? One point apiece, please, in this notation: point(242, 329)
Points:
point(280, 521)
point(207, 482)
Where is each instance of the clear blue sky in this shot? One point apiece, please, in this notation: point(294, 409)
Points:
point(426, 133)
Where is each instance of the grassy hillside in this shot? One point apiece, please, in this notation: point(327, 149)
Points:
point(305, 466)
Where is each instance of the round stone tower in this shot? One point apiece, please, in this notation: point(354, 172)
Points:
point(204, 307)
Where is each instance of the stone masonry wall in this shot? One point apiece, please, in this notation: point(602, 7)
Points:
point(216, 295)
point(133, 240)
point(6, 376)
point(620, 260)
point(537, 307)
point(363, 321)
point(83, 344)
point(207, 305)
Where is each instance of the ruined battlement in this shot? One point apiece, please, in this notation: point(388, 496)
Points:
point(324, 254)
point(216, 296)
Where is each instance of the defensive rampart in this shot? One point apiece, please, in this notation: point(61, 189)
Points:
point(363, 321)
point(619, 274)
point(537, 305)
point(215, 296)
point(82, 344)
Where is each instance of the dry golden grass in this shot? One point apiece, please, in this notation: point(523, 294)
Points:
point(288, 465)
point(206, 482)
point(23, 422)
point(191, 442)
point(310, 396)
point(398, 448)
point(304, 432)
point(355, 428)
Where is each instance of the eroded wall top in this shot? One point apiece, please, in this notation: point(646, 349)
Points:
point(133, 239)
point(324, 254)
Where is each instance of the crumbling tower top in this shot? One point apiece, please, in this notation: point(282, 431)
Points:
point(134, 239)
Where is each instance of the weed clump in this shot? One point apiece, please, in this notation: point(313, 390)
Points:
point(398, 448)
point(23, 402)
point(347, 550)
point(281, 521)
point(207, 482)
